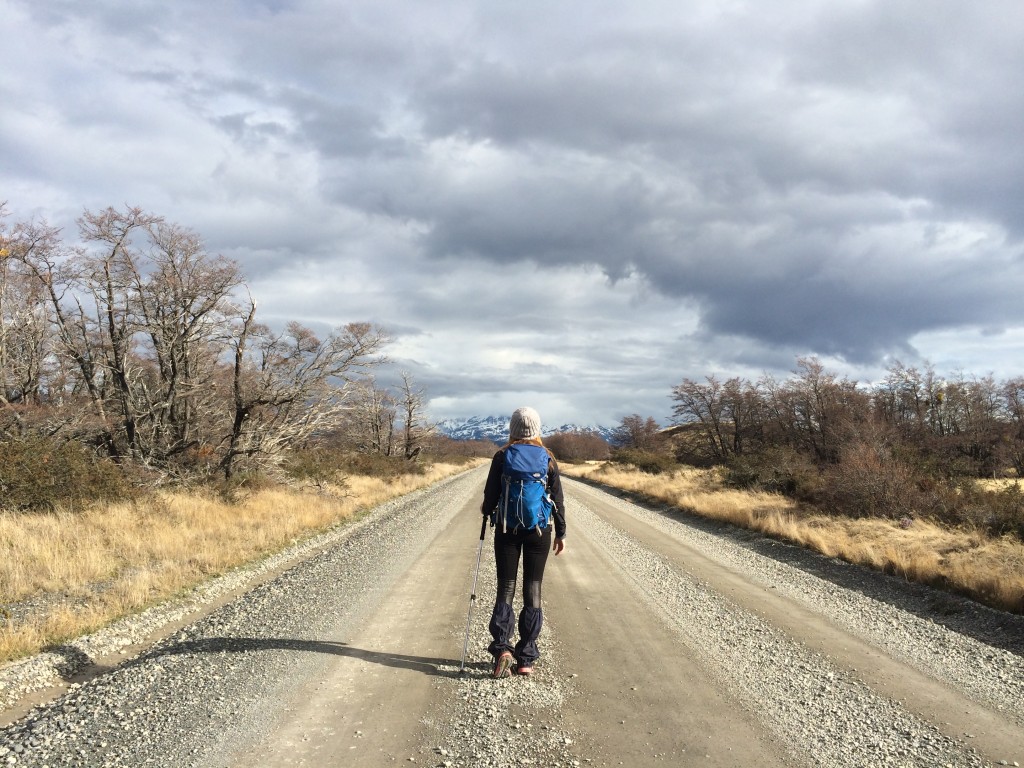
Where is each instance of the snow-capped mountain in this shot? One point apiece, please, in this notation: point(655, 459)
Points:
point(495, 429)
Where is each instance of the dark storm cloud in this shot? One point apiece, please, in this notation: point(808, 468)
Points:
point(951, 65)
point(694, 168)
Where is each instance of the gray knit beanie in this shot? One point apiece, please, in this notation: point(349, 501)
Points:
point(525, 424)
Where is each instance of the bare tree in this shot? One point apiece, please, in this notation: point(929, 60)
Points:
point(186, 311)
point(823, 408)
point(745, 412)
point(705, 404)
point(44, 267)
point(109, 276)
point(289, 386)
point(24, 330)
point(371, 421)
point(143, 318)
point(414, 426)
point(1013, 403)
point(634, 431)
point(142, 323)
point(971, 410)
point(911, 401)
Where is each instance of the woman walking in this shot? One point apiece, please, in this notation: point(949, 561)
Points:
point(523, 493)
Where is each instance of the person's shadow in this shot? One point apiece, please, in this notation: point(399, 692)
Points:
point(435, 667)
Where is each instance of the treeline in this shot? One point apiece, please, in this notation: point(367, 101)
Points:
point(138, 348)
point(913, 445)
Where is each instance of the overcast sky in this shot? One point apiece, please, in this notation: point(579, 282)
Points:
point(570, 205)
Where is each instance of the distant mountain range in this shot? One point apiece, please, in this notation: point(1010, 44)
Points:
point(495, 429)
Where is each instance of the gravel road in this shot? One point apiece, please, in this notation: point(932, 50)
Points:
point(668, 641)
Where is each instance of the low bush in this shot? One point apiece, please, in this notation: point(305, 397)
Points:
point(868, 481)
point(319, 464)
point(775, 470)
point(313, 465)
point(447, 450)
point(232, 490)
point(377, 465)
point(998, 512)
point(43, 474)
point(651, 463)
point(575, 447)
point(873, 481)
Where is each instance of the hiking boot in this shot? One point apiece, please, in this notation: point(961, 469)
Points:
point(524, 669)
point(503, 666)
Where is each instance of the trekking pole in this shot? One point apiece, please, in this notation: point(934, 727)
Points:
point(472, 594)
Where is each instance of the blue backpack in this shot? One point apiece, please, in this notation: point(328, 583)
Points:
point(525, 503)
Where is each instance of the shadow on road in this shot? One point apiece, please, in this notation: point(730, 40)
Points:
point(428, 666)
point(73, 660)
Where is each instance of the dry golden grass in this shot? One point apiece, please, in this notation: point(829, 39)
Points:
point(90, 568)
point(990, 570)
point(997, 484)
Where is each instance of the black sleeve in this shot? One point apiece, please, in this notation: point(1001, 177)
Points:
point(492, 489)
point(555, 491)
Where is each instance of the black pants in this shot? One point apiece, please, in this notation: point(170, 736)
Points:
point(534, 550)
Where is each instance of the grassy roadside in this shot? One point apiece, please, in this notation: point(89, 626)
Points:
point(63, 575)
point(989, 570)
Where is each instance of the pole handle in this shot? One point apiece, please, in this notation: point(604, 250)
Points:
point(483, 528)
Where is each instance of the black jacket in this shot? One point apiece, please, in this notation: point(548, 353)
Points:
point(492, 489)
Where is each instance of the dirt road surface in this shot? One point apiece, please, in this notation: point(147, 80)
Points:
point(667, 641)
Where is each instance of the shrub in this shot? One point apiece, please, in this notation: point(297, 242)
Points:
point(775, 470)
point(377, 465)
point(42, 474)
point(319, 464)
point(313, 465)
point(999, 512)
point(652, 463)
point(868, 481)
point(232, 490)
point(575, 447)
point(451, 451)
